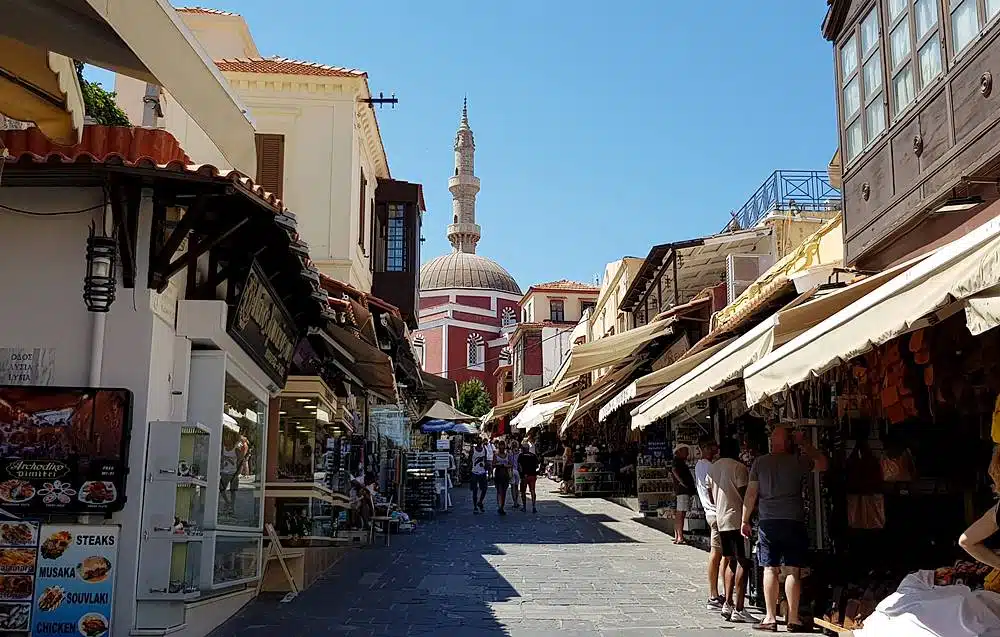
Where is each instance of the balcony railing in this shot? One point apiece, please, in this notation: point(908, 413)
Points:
point(786, 190)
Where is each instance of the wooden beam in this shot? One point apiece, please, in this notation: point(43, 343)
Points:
point(160, 263)
point(197, 247)
point(125, 212)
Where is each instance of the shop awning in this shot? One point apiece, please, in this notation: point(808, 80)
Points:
point(822, 249)
point(41, 87)
point(443, 389)
point(444, 411)
point(965, 271)
point(365, 363)
point(537, 414)
point(655, 381)
point(598, 393)
point(727, 364)
point(605, 352)
point(146, 40)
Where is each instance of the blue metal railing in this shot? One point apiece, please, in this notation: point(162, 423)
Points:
point(789, 190)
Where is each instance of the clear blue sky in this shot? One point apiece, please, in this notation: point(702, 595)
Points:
point(601, 128)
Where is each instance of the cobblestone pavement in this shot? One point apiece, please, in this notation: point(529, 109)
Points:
point(580, 567)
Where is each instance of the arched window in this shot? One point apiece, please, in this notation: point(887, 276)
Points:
point(505, 356)
point(419, 351)
point(508, 317)
point(477, 351)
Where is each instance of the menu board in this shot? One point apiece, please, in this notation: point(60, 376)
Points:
point(63, 449)
point(57, 579)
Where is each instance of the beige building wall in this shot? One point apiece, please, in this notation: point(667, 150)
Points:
point(329, 139)
point(535, 305)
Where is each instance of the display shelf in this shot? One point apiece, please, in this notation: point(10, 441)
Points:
point(590, 478)
point(230, 559)
point(171, 570)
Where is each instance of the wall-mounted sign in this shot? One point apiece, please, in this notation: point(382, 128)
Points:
point(27, 365)
point(263, 327)
point(63, 449)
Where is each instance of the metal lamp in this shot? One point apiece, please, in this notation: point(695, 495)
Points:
point(99, 285)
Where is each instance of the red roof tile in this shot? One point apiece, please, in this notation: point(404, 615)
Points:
point(565, 284)
point(204, 11)
point(285, 66)
point(124, 146)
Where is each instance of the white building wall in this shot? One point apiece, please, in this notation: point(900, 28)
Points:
point(556, 344)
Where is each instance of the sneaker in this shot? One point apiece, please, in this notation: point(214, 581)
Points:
point(501, 512)
point(727, 612)
point(742, 617)
point(716, 603)
point(534, 510)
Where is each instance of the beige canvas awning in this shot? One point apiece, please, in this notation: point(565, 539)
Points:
point(41, 87)
point(599, 392)
point(147, 40)
point(966, 271)
point(650, 383)
point(605, 352)
point(442, 411)
point(727, 365)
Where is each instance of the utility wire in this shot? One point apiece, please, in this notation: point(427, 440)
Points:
point(61, 213)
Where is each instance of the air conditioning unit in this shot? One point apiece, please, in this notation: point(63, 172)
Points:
point(742, 270)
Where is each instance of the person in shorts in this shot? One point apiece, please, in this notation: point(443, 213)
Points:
point(479, 478)
point(727, 482)
point(776, 483)
point(527, 465)
point(503, 463)
point(709, 450)
point(683, 488)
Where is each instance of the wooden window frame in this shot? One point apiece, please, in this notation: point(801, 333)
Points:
point(561, 304)
point(916, 43)
point(865, 101)
point(362, 204)
point(402, 248)
point(276, 187)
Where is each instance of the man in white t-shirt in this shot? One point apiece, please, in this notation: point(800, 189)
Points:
point(481, 460)
point(727, 480)
point(709, 450)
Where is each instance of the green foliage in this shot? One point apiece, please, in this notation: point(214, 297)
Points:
point(473, 398)
point(100, 104)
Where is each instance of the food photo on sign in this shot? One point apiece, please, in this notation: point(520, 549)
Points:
point(18, 563)
point(62, 449)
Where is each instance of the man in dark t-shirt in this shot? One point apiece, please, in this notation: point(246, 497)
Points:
point(527, 465)
point(684, 489)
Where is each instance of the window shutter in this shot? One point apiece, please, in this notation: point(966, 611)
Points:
point(361, 213)
point(271, 162)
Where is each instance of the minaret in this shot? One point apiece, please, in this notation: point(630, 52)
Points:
point(464, 232)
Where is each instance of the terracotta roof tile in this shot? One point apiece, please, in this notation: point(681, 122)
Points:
point(205, 11)
point(565, 284)
point(285, 66)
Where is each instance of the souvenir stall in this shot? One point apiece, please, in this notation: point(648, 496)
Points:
point(907, 429)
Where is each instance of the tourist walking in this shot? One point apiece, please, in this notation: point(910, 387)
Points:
point(776, 483)
point(502, 465)
point(683, 488)
point(727, 482)
point(527, 464)
point(709, 449)
point(480, 476)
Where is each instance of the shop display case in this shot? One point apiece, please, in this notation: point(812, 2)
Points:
point(230, 559)
point(591, 478)
point(173, 519)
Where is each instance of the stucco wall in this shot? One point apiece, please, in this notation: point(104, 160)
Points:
point(556, 344)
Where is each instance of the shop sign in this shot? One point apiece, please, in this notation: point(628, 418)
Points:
point(27, 365)
point(57, 579)
point(444, 445)
point(263, 328)
point(63, 449)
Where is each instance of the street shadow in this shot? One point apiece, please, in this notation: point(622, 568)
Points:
point(440, 579)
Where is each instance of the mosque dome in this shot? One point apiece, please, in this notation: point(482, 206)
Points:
point(466, 270)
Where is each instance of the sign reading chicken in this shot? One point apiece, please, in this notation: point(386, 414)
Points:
point(74, 580)
point(62, 449)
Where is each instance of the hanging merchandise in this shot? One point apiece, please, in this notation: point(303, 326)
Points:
point(996, 421)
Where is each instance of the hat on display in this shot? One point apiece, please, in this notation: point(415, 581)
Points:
point(679, 447)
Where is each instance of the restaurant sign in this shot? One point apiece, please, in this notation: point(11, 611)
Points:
point(263, 327)
point(63, 449)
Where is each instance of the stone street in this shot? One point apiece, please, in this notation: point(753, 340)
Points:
point(578, 567)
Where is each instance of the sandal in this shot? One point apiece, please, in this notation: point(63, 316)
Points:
point(798, 628)
point(771, 627)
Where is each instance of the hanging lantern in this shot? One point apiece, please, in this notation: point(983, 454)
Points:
point(99, 284)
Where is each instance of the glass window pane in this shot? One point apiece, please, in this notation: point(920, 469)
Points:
point(854, 140)
point(849, 58)
point(992, 9)
point(241, 457)
point(872, 74)
point(895, 8)
point(875, 119)
point(964, 23)
point(869, 32)
point(852, 99)
point(902, 90)
point(899, 43)
point(926, 14)
point(930, 61)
